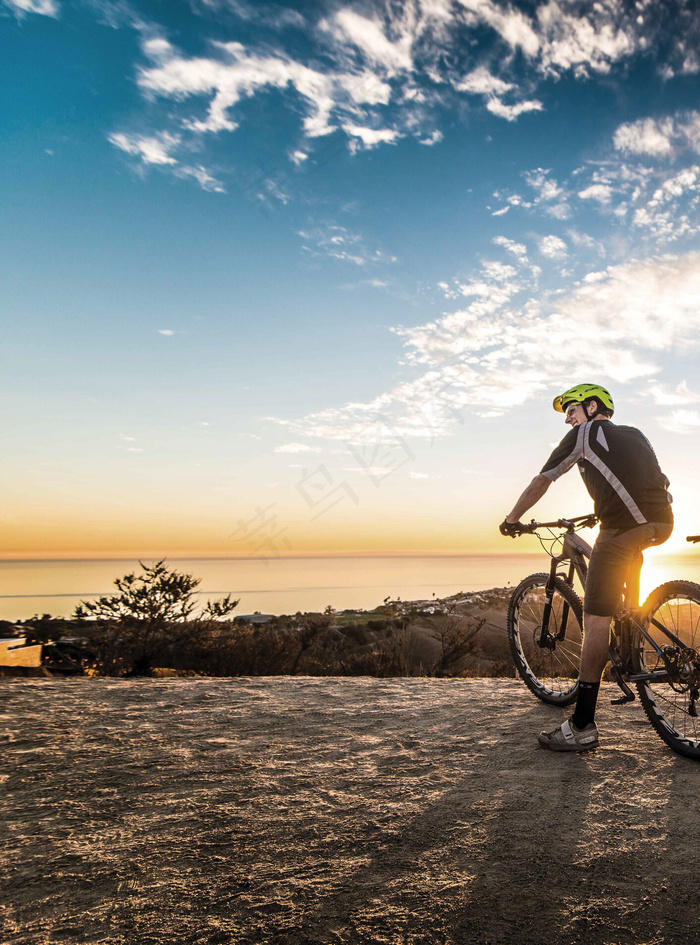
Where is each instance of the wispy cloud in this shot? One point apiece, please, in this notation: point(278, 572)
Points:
point(549, 195)
point(367, 34)
point(481, 82)
point(553, 247)
point(666, 396)
point(511, 344)
point(651, 200)
point(202, 176)
point(151, 149)
point(378, 73)
point(339, 243)
point(42, 7)
point(663, 137)
point(683, 421)
point(602, 193)
point(517, 249)
point(297, 448)
point(645, 137)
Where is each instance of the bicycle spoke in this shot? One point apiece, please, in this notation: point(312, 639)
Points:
point(673, 615)
point(549, 670)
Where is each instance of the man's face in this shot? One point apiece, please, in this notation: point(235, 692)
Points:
point(575, 415)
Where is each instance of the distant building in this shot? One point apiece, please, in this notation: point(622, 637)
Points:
point(257, 620)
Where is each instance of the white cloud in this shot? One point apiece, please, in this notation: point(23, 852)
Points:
point(380, 72)
point(511, 112)
point(371, 137)
point(676, 186)
point(368, 62)
point(297, 448)
point(369, 37)
point(583, 240)
point(546, 187)
point(235, 74)
point(682, 421)
point(481, 82)
point(586, 37)
point(602, 193)
point(689, 128)
point(517, 249)
point(512, 25)
point(166, 331)
point(152, 149)
point(270, 192)
point(663, 137)
point(507, 347)
point(42, 7)
point(663, 395)
point(564, 35)
point(645, 136)
point(553, 247)
point(203, 178)
point(340, 243)
point(550, 196)
point(435, 137)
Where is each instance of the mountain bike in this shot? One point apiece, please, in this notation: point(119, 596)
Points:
point(656, 646)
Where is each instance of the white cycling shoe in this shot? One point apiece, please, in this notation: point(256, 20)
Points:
point(569, 738)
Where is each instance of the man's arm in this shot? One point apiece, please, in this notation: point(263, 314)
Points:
point(530, 496)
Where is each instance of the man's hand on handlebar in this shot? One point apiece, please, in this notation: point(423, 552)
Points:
point(512, 529)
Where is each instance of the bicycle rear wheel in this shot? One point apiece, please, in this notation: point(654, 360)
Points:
point(549, 671)
point(669, 700)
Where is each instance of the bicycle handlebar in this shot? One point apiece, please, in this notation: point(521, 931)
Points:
point(583, 521)
point(693, 538)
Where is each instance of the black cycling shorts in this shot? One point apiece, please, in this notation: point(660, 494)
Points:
point(616, 561)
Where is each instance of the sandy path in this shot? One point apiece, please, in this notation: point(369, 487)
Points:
point(325, 810)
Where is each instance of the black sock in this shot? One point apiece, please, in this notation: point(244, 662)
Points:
point(584, 713)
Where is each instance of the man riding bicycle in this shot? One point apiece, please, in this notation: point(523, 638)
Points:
point(631, 500)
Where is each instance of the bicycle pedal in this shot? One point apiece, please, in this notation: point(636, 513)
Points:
point(623, 699)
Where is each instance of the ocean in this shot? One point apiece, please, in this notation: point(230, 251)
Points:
point(288, 585)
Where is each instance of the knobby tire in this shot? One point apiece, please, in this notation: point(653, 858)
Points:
point(667, 701)
point(551, 674)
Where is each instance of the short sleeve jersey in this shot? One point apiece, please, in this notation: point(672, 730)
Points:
point(620, 470)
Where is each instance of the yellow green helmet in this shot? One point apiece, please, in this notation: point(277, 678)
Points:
point(581, 392)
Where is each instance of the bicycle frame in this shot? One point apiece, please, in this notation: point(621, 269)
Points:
point(577, 552)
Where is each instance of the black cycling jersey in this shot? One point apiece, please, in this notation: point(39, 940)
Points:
point(620, 470)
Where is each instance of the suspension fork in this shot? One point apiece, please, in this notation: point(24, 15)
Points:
point(546, 639)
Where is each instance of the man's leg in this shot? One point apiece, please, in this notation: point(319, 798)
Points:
point(608, 570)
point(596, 644)
point(594, 656)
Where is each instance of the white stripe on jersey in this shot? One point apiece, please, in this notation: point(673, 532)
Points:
point(596, 461)
point(574, 456)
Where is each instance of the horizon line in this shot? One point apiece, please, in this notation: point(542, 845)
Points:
point(311, 555)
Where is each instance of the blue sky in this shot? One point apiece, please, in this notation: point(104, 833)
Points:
point(322, 267)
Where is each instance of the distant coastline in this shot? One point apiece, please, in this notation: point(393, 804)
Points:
point(291, 584)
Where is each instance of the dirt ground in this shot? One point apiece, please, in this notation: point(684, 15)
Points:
point(336, 810)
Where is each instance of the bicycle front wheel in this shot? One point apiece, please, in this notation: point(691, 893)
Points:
point(671, 697)
point(548, 662)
